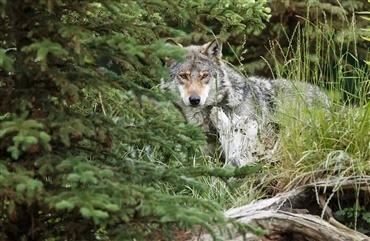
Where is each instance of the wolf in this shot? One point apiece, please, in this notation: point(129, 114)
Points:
point(229, 107)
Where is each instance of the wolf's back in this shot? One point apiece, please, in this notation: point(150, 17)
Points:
point(298, 91)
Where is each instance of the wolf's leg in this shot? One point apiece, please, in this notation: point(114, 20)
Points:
point(238, 137)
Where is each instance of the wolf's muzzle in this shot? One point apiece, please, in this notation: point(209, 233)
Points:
point(194, 100)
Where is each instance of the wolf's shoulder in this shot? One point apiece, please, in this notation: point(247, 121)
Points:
point(252, 84)
point(236, 77)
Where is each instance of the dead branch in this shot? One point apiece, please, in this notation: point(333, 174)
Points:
point(299, 214)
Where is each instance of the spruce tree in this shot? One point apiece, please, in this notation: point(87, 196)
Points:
point(86, 140)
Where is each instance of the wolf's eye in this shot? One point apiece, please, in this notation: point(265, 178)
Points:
point(205, 76)
point(183, 76)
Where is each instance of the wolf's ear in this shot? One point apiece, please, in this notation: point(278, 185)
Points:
point(213, 50)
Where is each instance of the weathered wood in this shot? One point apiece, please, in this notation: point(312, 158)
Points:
point(289, 216)
point(238, 136)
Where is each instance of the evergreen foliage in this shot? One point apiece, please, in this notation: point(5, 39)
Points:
point(84, 142)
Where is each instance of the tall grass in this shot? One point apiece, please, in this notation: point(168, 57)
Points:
point(315, 143)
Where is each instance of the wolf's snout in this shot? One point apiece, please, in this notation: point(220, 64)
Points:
point(194, 100)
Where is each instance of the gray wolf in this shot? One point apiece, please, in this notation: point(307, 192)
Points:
point(226, 105)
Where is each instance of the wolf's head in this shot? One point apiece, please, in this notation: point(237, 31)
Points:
point(198, 78)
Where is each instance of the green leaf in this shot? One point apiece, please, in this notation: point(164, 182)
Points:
point(5, 116)
point(20, 187)
point(100, 214)
point(73, 177)
point(14, 152)
point(64, 204)
point(366, 217)
point(41, 54)
point(43, 49)
point(106, 173)
point(6, 63)
point(112, 207)
point(32, 187)
point(167, 219)
point(88, 177)
point(30, 140)
point(64, 136)
point(87, 213)
point(3, 170)
point(44, 136)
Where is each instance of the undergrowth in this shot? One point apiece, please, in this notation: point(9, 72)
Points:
point(316, 144)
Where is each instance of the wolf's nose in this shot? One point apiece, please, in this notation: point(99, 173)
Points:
point(194, 100)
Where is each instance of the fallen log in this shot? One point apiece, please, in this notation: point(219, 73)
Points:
point(302, 214)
